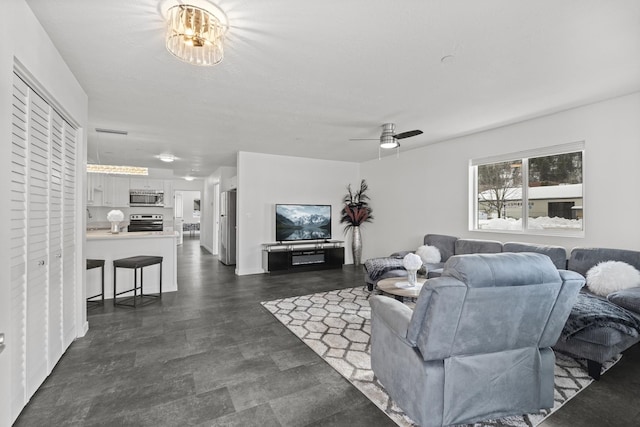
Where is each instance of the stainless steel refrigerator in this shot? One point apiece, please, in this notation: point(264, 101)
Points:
point(228, 227)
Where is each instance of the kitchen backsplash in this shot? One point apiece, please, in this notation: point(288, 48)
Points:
point(97, 216)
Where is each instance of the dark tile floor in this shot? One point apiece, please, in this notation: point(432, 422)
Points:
point(210, 355)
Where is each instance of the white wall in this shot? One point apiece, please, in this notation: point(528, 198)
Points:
point(426, 190)
point(22, 37)
point(188, 198)
point(264, 180)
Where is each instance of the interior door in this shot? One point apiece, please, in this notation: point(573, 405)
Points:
point(12, 358)
point(179, 215)
point(55, 241)
point(69, 229)
point(37, 243)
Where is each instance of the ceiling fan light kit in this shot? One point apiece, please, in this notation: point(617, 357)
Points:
point(388, 142)
point(389, 139)
point(196, 35)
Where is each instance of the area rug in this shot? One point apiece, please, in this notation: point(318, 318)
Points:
point(336, 325)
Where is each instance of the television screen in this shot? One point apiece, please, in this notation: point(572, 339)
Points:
point(303, 222)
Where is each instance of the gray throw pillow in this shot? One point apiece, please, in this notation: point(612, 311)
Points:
point(626, 298)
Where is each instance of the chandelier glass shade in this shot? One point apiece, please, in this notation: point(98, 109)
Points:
point(195, 35)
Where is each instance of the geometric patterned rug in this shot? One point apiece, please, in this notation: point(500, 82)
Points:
point(337, 326)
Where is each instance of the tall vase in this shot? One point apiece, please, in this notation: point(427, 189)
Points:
point(356, 245)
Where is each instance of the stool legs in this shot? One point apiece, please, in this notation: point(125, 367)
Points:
point(101, 294)
point(136, 285)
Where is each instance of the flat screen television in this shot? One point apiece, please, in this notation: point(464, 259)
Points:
point(303, 222)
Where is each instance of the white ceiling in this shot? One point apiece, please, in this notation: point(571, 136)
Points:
point(301, 78)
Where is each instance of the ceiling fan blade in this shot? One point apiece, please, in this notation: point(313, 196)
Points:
point(408, 134)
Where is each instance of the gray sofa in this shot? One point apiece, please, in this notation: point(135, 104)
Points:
point(451, 245)
point(596, 343)
point(478, 340)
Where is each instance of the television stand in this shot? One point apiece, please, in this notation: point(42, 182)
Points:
point(290, 257)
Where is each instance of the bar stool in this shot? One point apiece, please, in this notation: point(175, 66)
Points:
point(136, 262)
point(95, 263)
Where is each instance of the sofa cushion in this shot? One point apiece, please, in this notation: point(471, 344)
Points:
point(445, 243)
point(477, 246)
point(558, 254)
point(582, 259)
point(610, 276)
point(627, 298)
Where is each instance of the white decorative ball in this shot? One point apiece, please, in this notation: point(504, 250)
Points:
point(610, 276)
point(429, 254)
point(115, 215)
point(412, 262)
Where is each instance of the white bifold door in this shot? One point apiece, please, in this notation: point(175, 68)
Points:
point(43, 227)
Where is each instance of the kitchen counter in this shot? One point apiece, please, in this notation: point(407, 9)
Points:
point(106, 234)
point(101, 244)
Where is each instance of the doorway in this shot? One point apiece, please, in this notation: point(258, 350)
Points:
point(187, 212)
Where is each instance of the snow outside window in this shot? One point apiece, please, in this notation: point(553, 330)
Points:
point(537, 192)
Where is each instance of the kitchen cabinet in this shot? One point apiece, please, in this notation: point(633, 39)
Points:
point(116, 192)
point(168, 193)
point(146, 184)
point(95, 188)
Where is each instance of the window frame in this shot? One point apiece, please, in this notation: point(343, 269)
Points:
point(524, 157)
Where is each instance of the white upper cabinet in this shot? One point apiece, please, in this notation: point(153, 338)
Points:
point(95, 188)
point(116, 192)
point(168, 193)
point(146, 184)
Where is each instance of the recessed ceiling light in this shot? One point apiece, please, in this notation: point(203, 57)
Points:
point(189, 178)
point(167, 157)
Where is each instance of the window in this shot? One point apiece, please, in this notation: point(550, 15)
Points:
point(538, 191)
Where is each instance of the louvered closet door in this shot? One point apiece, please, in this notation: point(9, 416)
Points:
point(18, 244)
point(69, 225)
point(37, 243)
point(43, 232)
point(55, 240)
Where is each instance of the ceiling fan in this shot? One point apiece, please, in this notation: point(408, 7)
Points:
point(388, 138)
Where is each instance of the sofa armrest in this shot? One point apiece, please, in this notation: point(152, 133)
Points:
point(393, 313)
point(400, 254)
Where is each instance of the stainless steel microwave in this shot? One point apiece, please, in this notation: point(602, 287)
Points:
point(146, 198)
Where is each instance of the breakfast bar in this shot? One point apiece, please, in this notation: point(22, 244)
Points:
point(101, 244)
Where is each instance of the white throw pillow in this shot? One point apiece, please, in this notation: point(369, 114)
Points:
point(429, 254)
point(611, 276)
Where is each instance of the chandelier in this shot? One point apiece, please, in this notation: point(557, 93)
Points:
point(195, 35)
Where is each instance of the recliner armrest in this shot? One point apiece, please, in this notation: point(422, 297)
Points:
point(568, 275)
point(393, 313)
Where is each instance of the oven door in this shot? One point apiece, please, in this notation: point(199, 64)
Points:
point(145, 225)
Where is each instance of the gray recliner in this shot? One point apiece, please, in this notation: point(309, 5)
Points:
point(477, 344)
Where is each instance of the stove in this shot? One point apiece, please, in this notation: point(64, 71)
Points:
point(145, 222)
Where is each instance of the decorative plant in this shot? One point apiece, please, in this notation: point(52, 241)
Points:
point(356, 209)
